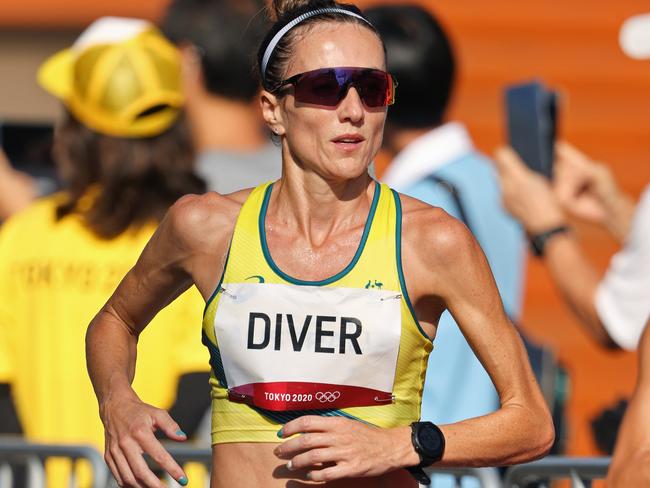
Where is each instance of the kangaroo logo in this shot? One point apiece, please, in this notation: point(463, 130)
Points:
point(376, 284)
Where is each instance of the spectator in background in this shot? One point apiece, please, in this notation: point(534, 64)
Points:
point(631, 462)
point(218, 41)
point(435, 161)
point(614, 309)
point(124, 157)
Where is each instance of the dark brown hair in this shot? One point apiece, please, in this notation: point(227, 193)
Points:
point(129, 182)
point(287, 10)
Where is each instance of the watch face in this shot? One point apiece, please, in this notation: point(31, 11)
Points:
point(430, 440)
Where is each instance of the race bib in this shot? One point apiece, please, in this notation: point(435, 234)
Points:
point(286, 347)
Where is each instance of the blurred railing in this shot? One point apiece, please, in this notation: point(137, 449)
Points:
point(580, 470)
point(15, 453)
point(486, 477)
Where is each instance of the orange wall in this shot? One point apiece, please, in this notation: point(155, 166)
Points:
point(72, 13)
point(572, 45)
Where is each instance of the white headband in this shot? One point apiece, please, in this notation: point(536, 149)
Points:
point(276, 38)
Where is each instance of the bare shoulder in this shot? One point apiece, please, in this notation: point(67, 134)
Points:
point(200, 220)
point(432, 234)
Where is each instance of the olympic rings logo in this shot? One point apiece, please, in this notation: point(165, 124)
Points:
point(327, 396)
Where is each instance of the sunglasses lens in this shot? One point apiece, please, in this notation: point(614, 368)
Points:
point(328, 86)
point(375, 88)
point(320, 87)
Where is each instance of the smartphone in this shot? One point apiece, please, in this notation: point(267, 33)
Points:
point(28, 147)
point(532, 123)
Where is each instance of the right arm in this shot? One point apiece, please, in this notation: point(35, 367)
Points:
point(186, 248)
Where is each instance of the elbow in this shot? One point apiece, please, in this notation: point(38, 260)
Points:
point(542, 435)
point(546, 440)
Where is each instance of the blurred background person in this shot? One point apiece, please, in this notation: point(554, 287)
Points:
point(434, 160)
point(631, 460)
point(218, 41)
point(124, 157)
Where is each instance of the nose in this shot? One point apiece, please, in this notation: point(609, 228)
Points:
point(351, 108)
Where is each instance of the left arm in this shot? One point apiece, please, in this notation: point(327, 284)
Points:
point(521, 430)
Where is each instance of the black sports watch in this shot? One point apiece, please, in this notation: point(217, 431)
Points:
point(429, 442)
point(538, 241)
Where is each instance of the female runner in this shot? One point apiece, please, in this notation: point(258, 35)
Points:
point(323, 292)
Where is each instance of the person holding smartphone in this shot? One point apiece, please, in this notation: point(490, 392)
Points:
point(614, 309)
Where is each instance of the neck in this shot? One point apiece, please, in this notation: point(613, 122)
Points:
point(218, 123)
point(397, 138)
point(317, 207)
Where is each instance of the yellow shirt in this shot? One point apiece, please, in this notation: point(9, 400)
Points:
point(54, 278)
point(376, 264)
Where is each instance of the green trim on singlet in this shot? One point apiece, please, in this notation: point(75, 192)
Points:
point(326, 281)
point(215, 360)
point(216, 290)
point(400, 270)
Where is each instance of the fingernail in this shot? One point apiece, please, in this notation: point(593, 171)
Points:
point(183, 480)
point(181, 433)
point(290, 465)
point(280, 433)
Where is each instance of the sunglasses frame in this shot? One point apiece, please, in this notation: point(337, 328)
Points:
point(295, 79)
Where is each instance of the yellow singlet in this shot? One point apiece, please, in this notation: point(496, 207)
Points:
point(376, 264)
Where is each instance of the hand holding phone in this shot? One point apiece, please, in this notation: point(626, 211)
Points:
point(532, 115)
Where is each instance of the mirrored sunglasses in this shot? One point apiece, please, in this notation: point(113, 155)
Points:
point(328, 86)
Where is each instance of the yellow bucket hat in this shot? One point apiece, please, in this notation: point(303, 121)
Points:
point(121, 78)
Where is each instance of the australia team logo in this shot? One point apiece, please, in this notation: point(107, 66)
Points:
point(372, 284)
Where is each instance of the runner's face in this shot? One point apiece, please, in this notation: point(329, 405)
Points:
point(341, 141)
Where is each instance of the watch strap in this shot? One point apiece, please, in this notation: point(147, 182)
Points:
point(420, 476)
point(538, 241)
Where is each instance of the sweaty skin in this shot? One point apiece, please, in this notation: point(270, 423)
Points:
point(314, 223)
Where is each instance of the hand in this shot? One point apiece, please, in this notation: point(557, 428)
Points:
point(130, 426)
point(528, 196)
point(588, 190)
point(344, 448)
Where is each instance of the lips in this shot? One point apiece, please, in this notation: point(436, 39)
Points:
point(348, 142)
point(349, 139)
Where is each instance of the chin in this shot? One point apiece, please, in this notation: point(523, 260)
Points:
point(350, 170)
